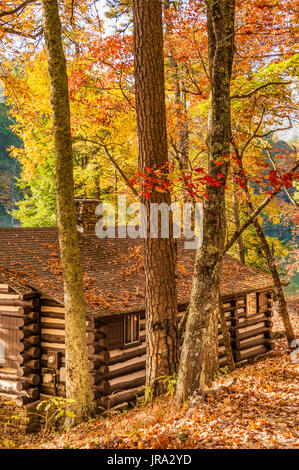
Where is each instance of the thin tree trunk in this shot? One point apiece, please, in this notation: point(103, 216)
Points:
point(283, 309)
point(199, 356)
point(161, 298)
point(78, 386)
point(238, 224)
point(256, 211)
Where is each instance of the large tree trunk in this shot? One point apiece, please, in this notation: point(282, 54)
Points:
point(78, 386)
point(199, 357)
point(161, 298)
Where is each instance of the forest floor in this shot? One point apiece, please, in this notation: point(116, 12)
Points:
point(260, 410)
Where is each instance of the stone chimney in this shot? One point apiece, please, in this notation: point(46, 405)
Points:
point(85, 212)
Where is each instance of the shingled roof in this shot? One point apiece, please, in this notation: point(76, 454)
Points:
point(112, 268)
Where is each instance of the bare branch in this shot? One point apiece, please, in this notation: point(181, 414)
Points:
point(256, 213)
point(254, 135)
point(16, 9)
point(252, 92)
point(276, 130)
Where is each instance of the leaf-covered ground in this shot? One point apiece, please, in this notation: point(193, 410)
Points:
point(260, 410)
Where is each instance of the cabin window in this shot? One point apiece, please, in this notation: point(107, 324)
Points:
point(2, 355)
point(251, 304)
point(131, 328)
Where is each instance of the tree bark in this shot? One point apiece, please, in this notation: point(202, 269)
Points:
point(282, 304)
point(270, 259)
point(238, 224)
point(256, 211)
point(161, 298)
point(78, 386)
point(199, 356)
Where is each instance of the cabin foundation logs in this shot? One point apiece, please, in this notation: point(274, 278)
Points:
point(34, 331)
point(20, 334)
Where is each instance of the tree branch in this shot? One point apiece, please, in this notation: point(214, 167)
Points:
point(16, 9)
point(252, 92)
point(255, 213)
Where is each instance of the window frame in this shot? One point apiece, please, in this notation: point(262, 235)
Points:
point(137, 341)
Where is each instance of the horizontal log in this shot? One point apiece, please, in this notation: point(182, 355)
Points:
point(8, 387)
point(93, 337)
point(251, 352)
point(9, 298)
point(58, 347)
point(121, 397)
point(124, 368)
point(51, 309)
point(31, 340)
point(93, 349)
point(99, 390)
point(31, 353)
point(50, 303)
point(99, 360)
point(33, 364)
point(5, 288)
point(15, 301)
point(31, 395)
point(15, 311)
point(97, 378)
point(8, 377)
point(250, 343)
point(58, 339)
point(52, 316)
point(120, 355)
point(252, 321)
point(251, 333)
point(21, 386)
point(223, 361)
point(49, 390)
point(136, 379)
point(33, 315)
point(53, 325)
point(121, 407)
point(25, 372)
point(33, 379)
point(31, 328)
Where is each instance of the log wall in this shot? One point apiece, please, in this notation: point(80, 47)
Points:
point(35, 330)
point(123, 376)
point(20, 334)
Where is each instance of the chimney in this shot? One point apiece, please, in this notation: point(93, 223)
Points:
point(85, 212)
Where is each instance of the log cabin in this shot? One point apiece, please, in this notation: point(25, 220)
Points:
point(32, 337)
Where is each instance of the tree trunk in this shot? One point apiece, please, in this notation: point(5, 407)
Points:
point(238, 224)
point(270, 259)
point(161, 298)
point(78, 386)
point(283, 310)
point(199, 356)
